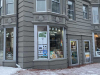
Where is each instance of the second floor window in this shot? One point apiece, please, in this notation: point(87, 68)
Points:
point(9, 6)
point(95, 15)
point(56, 6)
point(71, 10)
point(0, 7)
point(85, 11)
point(41, 5)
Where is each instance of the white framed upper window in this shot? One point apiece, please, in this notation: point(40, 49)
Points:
point(95, 15)
point(1, 6)
point(85, 11)
point(56, 6)
point(71, 11)
point(9, 6)
point(40, 5)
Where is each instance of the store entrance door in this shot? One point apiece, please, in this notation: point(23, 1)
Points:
point(87, 51)
point(74, 52)
point(1, 46)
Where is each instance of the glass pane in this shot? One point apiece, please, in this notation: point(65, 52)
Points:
point(55, 7)
point(42, 42)
point(70, 5)
point(9, 43)
point(70, 14)
point(41, 5)
point(1, 44)
point(56, 42)
point(9, 1)
point(97, 44)
point(10, 9)
point(87, 51)
point(71, 10)
point(74, 52)
point(95, 15)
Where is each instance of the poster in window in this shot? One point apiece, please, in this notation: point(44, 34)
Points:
point(42, 37)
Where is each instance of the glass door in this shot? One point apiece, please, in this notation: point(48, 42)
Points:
point(87, 51)
point(74, 52)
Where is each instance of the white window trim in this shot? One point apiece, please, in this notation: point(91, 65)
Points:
point(7, 7)
point(45, 7)
point(59, 7)
point(71, 52)
point(48, 43)
point(95, 15)
point(14, 45)
point(89, 50)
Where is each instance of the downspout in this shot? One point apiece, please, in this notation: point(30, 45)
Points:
point(16, 31)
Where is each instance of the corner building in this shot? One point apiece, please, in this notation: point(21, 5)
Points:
point(46, 34)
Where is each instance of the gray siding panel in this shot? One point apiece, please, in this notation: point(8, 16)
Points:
point(26, 34)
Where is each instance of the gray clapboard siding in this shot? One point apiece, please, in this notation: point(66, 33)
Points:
point(26, 41)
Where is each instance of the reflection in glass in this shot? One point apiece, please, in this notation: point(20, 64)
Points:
point(71, 10)
point(56, 42)
point(41, 5)
point(56, 6)
point(74, 52)
point(97, 44)
point(9, 43)
point(1, 44)
point(87, 51)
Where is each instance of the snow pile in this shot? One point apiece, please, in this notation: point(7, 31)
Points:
point(8, 70)
point(93, 69)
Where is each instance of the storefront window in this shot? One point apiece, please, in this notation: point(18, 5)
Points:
point(87, 51)
point(42, 42)
point(1, 44)
point(56, 42)
point(97, 44)
point(9, 43)
point(49, 43)
point(74, 56)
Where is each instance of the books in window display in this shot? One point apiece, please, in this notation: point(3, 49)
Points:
point(56, 54)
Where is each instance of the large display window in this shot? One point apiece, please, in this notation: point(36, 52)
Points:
point(97, 44)
point(56, 42)
point(49, 42)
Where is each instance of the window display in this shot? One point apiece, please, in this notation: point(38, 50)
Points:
point(42, 42)
point(1, 43)
point(49, 42)
point(87, 51)
point(9, 43)
point(74, 52)
point(56, 42)
point(97, 44)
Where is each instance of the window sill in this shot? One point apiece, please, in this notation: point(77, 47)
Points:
point(96, 56)
point(86, 19)
point(9, 61)
point(50, 59)
point(70, 20)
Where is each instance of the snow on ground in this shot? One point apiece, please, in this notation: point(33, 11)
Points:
point(93, 69)
point(8, 70)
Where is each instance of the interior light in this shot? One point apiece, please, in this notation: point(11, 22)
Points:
point(52, 28)
point(96, 35)
point(59, 30)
